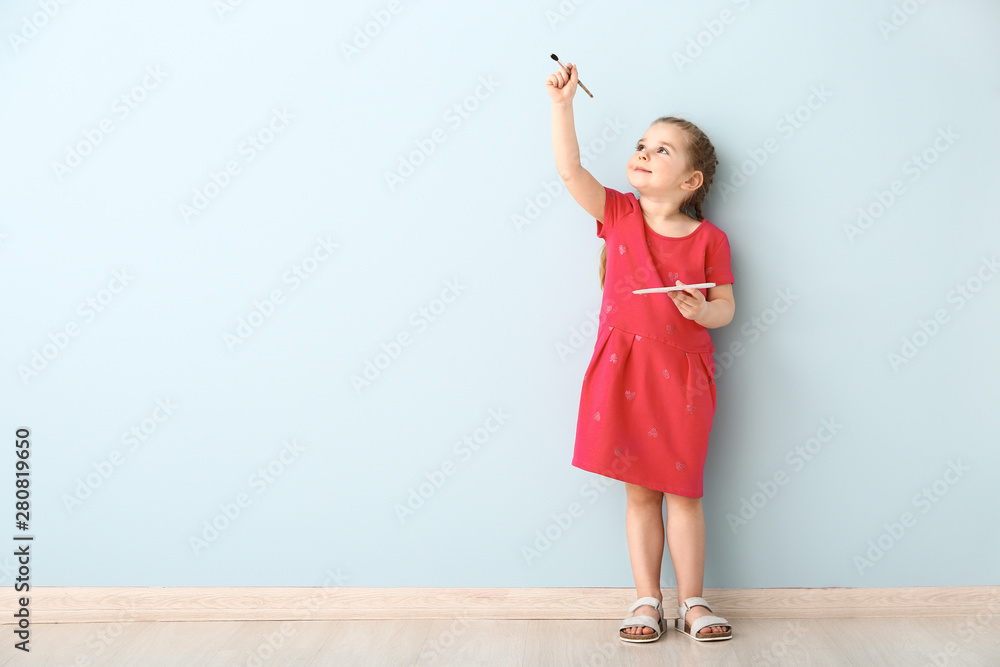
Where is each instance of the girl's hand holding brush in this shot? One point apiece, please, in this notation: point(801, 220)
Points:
point(562, 85)
point(556, 58)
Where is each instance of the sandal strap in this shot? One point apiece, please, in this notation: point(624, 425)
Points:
point(650, 601)
point(692, 602)
point(641, 621)
point(704, 621)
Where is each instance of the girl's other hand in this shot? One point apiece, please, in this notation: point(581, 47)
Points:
point(562, 86)
point(691, 302)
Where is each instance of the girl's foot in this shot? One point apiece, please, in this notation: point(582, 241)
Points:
point(697, 611)
point(644, 610)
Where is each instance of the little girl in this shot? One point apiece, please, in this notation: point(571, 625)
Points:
point(648, 395)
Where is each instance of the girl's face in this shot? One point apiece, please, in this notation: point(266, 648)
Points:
point(658, 167)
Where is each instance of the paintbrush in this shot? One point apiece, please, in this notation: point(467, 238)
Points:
point(578, 81)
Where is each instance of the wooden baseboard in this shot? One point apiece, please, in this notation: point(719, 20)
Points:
point(114, 604)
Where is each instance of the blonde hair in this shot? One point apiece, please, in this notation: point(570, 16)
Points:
point(701, 157)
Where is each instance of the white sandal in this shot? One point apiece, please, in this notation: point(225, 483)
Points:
point(693, 630)
point(643, 621)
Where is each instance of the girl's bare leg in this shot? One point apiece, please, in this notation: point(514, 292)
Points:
point(686, 541)
point(644, 531)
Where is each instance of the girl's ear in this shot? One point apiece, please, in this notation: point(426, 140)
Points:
point(695, 181)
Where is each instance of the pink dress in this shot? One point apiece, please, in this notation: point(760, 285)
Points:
point(648, 395)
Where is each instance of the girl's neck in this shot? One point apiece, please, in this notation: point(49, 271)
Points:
point(666, 214)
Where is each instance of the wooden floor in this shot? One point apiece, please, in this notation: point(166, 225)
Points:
point(912, 642)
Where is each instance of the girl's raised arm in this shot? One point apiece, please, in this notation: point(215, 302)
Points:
point(581, 184)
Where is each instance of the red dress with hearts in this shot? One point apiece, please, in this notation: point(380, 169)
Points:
point(648, 395)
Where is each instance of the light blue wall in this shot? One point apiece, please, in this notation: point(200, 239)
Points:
point(517, 297)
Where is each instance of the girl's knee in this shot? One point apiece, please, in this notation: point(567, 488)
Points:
point(682, 501)
point(642, 494)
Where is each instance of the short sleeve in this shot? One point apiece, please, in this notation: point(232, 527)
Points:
point(717, 261)
point(616, 206)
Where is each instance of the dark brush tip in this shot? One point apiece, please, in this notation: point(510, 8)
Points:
point(554, 57)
